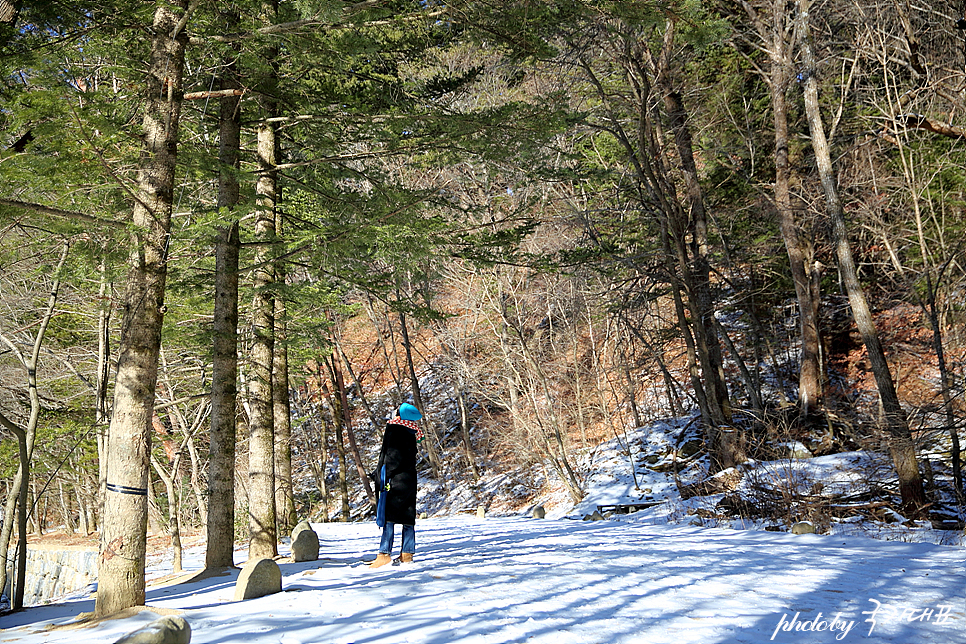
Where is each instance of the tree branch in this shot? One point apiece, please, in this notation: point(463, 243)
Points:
point(10, 425)
point(63, 214)
point(218, 93)
point(922, 122)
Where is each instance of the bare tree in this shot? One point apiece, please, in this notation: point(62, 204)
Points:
point(26, 439)
point(900, 438)
point(774, 35)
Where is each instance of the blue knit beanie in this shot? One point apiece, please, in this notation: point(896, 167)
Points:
point(409, 412)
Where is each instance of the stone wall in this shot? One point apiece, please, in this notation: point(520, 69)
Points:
point(57, 571)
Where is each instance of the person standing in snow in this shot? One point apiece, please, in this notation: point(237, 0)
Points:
point(396, 482)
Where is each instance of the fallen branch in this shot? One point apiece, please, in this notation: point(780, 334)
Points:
point(922, 122)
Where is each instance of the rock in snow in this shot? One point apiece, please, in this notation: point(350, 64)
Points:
point(167, 630)
point(258, 578)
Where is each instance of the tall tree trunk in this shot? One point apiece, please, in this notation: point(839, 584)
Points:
point(459, 391)
point(932, 310)
point(16, 499)
point(220, 526)
point(320, 465)
point(123, 537)
point(654, 185)
point(284, 496)
point(708, 417)
point(654, 179)
point(900, 437)
point(9, 507)
point(261, 459)
point(338, 416)
point(775, 38)
point(930, 306)
point(700, 283)
point(649, 156)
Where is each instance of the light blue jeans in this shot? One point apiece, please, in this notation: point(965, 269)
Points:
point(408, 538)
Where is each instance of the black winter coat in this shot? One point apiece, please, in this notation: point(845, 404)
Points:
point(399, 456)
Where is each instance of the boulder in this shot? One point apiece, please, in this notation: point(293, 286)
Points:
point(302, 525)
point(690, 448)
point(258, 578)
point(305, 545)
point(792, 450)
point(803, 527)
point(539, 512)
point(167, 630)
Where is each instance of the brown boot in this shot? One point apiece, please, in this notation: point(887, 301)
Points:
point(406, 557)
point(381, 560)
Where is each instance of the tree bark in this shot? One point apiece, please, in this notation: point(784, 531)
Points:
point(932, 312)
point(101, 413)
point(261, 459)
point(900, 437)
point(700, 283)
point(16, 498)
point(338, 415)
point(261, 444)
point(284, 495)
point(775, 39)
point(123, 538)
point(261, 447)
point(810, 390)
point(220, 527)
point(459, 391)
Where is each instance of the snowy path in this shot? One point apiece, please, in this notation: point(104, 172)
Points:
point(501, 580)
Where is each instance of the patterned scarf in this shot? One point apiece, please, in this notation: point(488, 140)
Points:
point(411, 424)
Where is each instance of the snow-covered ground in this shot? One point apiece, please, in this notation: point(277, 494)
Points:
point(610, 481)
point(565, 581)
point(675, 572)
